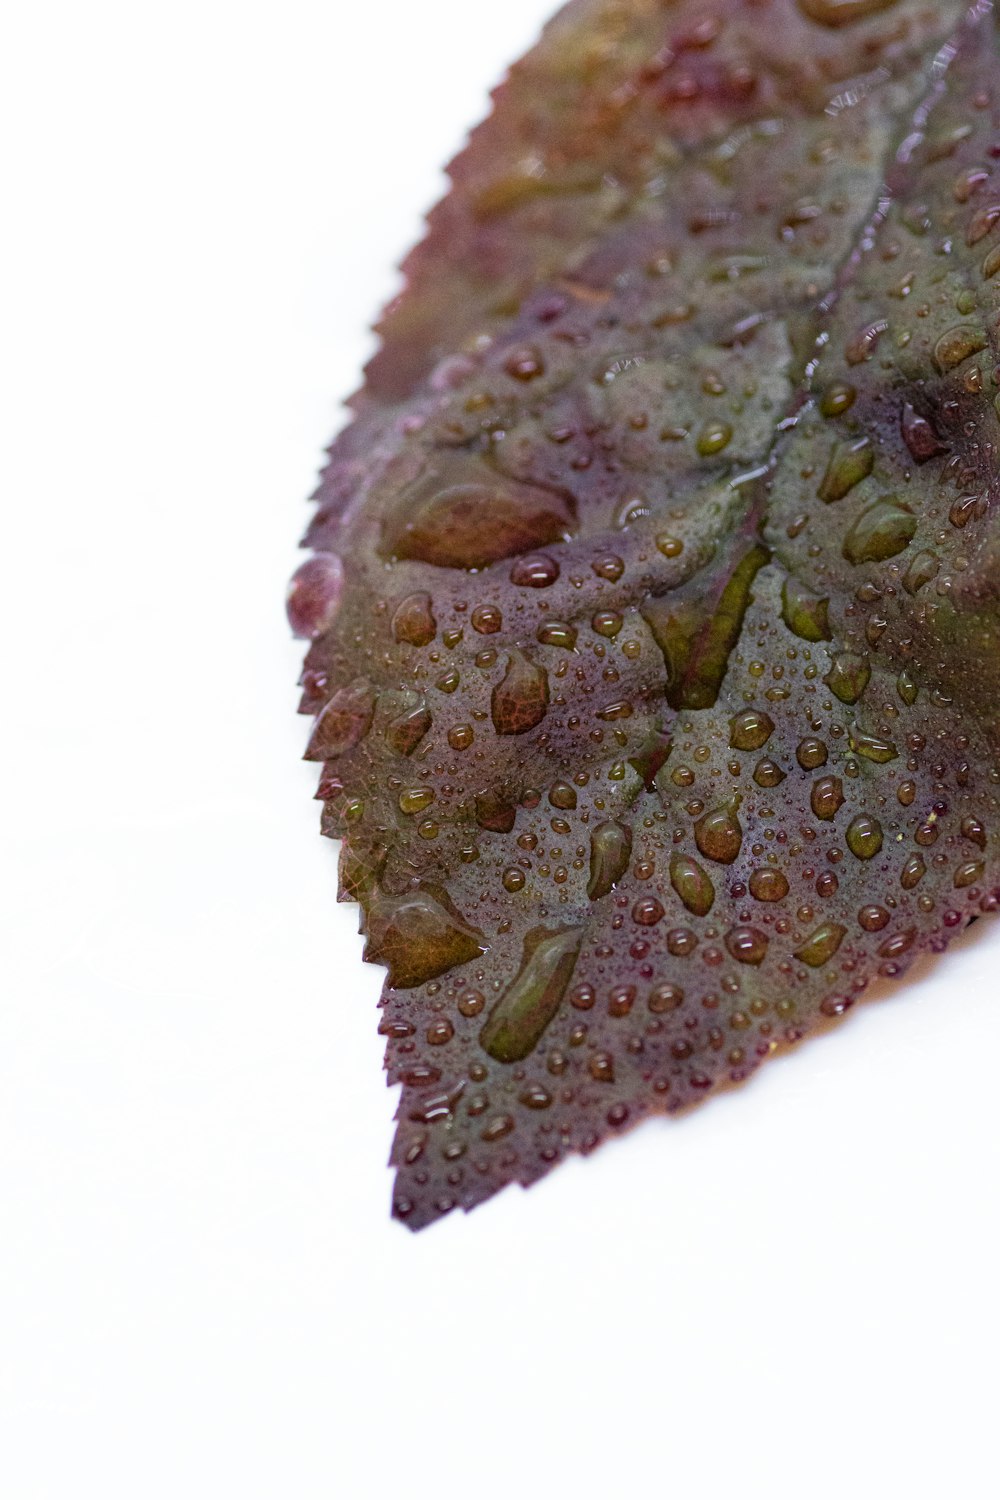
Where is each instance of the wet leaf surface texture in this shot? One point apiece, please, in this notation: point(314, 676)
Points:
point(653, 603)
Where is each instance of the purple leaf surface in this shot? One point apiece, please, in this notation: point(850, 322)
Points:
point(653, 604)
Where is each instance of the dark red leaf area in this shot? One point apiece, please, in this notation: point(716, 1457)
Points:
point(653, 608)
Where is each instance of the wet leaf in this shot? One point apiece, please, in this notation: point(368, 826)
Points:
point(654, 606)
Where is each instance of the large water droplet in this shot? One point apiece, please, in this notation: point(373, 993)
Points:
point(882, 530)
point(556, 633)
point(919, 436)
point(496, 811)
point(850, 462)
point(719, 835)
point(413, 620)
point(848, 676)
point(610, 851)
point(419, 936)
point(404, 733)
point(536, 571)
point(768, 885)
point(345, 721)
point(842, 12)
point(748, 945)
point(460, 514)
point(768, 773)
point(811, 753)
point(820, 947)
point(923, 569)
point(958, 345)
point(913, 872)
point(519, 1018)
point(520, 701)
point(804, 612)
point(864, 836)
point(873, 747)
point(692, 884)
point(651, 756)
point(750, 730)
point(314, 595)
point(827, 797)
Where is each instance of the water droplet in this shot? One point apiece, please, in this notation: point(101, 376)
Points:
point(850, 463)
point(864, 836)
point(811, 753)
point(610, 851)
point(842, 12)
point(768, 773)
point(692, 884)
point(837, 398)
point(881, 531)
point(665, 998)
point(461, 736)
point(957, 345)
point(404, 733)
point(471, 1003)
point(555, 633)
point(602, 1067)
point(562, 795)
point(583, 996)
point(861, 346)
point(981, 222)
point(750, 730)
point(713, 438)
point(651, 757)
point(487, 619)
point(974, 831)
point(913, 872)
point(495, 812)
point(804, 612)
point(898, 944)
point(607, 622)
point(525, 365)
point(848, 677)
point(517, 1021)
point(748, 945)
point(460, 514)
point(519, 703)
point(768, 885)
point(991, 265)
point(919, 435)
point(608, 566)
point(536, 571)
point(968, 874)
point(719, 835)
point(873, 747)
point(647, 911)
point(821, 945)
point(314, 595)
point(413, 620)
point(827, 797)
point(419, 936)
point(923, 569)
point(344, 721)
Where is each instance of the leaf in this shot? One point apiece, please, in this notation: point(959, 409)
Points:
point(654, 604)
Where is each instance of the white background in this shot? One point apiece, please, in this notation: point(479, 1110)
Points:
point(793, 1293)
